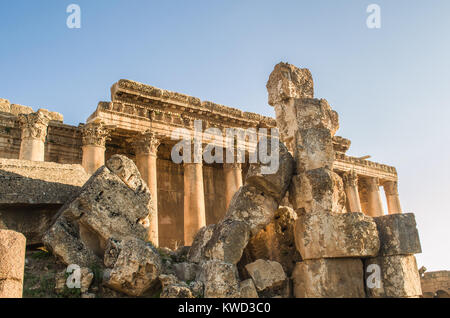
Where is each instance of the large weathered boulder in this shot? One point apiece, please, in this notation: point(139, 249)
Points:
point(114, 202)
point(253, 207)
point(276, 241)
point(173, 288)
point(136, 268)
point(275, 184)
point(86, 278)
point(196, 252)
point(220, 279)
point(186, 271)
point(392, 276)
point(12, 263)
point(398, 234)
point(266, 274)
point(329, 278)
point(334, 235)
point(228, 241)
point(317, 190)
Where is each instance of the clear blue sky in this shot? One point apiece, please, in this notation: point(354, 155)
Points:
point(391, 86)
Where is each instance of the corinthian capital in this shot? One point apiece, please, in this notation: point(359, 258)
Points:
point(147, 143)
point(350, 179)
point(390, 187)
point(34, 125)
point(95, 134)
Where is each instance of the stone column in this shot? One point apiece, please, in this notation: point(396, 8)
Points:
point(233, 180)
point(34, 131)
point(392, 198)
point(374, 203)
point(194, 201)
point(12, 263)
point(351, 190)
point(94, 137)
point(146, 147)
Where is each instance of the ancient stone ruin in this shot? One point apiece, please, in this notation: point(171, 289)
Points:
point(107, 197)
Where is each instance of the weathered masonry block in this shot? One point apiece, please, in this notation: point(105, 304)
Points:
point(12, 263)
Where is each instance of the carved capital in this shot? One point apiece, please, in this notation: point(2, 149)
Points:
point(95, 134)
point(391, 187)
point(370, 184)
point(34, 125)
point(350, 179)
point(146, 143)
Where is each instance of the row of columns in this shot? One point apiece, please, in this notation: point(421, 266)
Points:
point(363, 194)
point(94, 136)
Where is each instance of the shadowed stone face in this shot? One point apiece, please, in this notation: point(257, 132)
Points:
point(288, 81)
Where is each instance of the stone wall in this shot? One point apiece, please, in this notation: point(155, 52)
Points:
point(436, 284)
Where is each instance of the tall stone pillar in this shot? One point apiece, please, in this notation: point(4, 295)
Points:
point(146, 147)
point(34, 131)
point(94, 137)
point(233, 180)
point(194, 201)
point(351, 190)
point(392, 198)
point(374, 203)
point(12, 263)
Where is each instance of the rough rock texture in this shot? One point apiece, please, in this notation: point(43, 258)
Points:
point(228, 241)
point(334, 278)
point(318, 190)
point(399, 276)
point(5, 106)
point(287, 81)
point(275, 184)
point(186, 271)
point(247, 289)
point(220, 279)
point(276, 241)
point(398, 234)
point(332, 235)
point(435, 284)
point(106, 207)
point(86, 278)
point(196, 252)
point(17, 109)
point(266, 274)
point(12, 263)
point(172, 288)
point(136, 268)
point(253, 207)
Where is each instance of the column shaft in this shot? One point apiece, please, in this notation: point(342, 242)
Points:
point(93, 158)
point(194, 201)
point(375, 205)
point(94, 136)
point(392, 198)
point(233, 180)
point(34, 131)
point(351, 190)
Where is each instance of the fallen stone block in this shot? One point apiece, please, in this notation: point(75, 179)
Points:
point(398, 234)
point(186, 271)
point(220, 279)
point(317, 190)
point(247, 289)
point(196, 252)
point(329, 278)
point(333, 235)
point(275, 184)
point(113, 203)
point(86, 278)
point(392, 276)
point(136, 268)
point(228, 241)
point(12, 263)
point(172, 288)
point(253, 207)
point(266, 274)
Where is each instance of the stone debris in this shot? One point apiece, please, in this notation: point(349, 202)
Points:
point(392, 276)
point(247, 289)
point(196, 252)
point(173, 288)
point(107, 207)
point(266, 274)
point(12, 263)
point(398, 234)
point(136, 268)
point(329, 278)
point(220, 279)
point(86, 278)
point(333, 235)
point(186, 271)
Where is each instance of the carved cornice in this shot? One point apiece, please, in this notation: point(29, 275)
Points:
point(34, 125)
point(95, 134)
point(146, 143)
